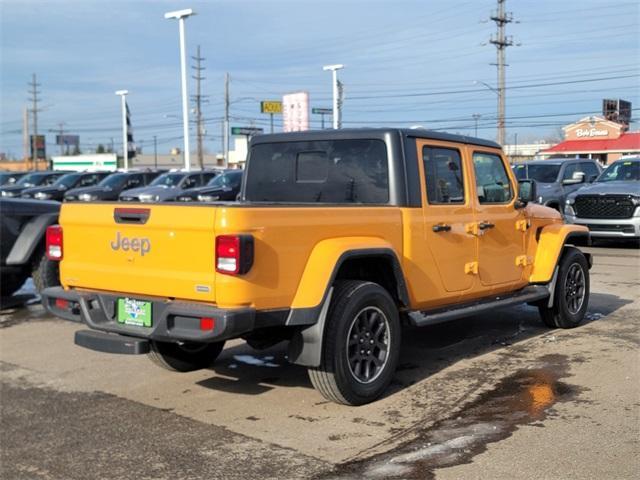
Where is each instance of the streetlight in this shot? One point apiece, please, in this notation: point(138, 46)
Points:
point(500, 109)
point(180, 15)
point(337, 111)
point(125, 147)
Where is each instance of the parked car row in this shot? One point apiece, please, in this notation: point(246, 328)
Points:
point(130, 186)
point(607, 202)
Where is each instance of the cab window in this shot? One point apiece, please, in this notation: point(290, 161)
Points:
point(443, 175)
point(492, 180)
point(192, 181)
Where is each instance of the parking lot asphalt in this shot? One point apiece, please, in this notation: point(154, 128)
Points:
point(492, 396)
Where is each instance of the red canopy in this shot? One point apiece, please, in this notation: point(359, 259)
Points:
point(627, 142)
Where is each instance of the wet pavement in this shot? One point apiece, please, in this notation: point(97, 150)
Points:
point(493, 396)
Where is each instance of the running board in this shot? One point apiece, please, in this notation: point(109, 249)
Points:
point(528, 294)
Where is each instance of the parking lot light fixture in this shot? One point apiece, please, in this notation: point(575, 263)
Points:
point(180, 15)
point(337, 108)
point(125, 147)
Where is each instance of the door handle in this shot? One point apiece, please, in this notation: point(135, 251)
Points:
point(485, 225)
point(441, 227)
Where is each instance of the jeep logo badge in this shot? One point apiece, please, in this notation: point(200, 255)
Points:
point(142, 245)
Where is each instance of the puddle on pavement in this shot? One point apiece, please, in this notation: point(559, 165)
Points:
point(521, 399)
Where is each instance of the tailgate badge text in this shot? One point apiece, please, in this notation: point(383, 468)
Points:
point(142, 245)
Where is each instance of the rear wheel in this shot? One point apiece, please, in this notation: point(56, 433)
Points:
point(571, 295)
point(361, 344)
point(184, 357)
point(45, 273)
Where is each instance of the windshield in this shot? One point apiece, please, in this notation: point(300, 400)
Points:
point(226, 180)
point(114, 181)
point(67, 181)
point(538, 172)
point(168, 179)
point(621, 171)
point(32, 180)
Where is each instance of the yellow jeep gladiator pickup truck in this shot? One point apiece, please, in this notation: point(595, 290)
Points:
point(338, 238)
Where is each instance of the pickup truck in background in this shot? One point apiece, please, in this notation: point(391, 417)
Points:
point(338, 238)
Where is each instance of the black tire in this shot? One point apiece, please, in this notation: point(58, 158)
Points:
point(360, 312)
point(571, 296)
point(45, 273)
point(186, 357)
point(11, 283)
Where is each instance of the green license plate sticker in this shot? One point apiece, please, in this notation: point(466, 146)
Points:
point(134, 312)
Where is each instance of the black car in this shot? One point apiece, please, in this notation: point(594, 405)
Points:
point(30, 180)
point(56, 190)
point(223, 187)
point(9, 178)
point(168, 186)
point(110, 187)
point(22, 250)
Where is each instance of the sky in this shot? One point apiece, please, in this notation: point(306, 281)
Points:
point(407, 63)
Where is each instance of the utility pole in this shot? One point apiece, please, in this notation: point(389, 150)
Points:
point(501, 42)
point(34, 92)
point(225, 123)
point(476, 117)
point(155, 151)
point(198, 99)
point(25, 135)
point(60, 131)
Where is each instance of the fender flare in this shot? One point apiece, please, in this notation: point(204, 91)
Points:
point(305, 347)
point(29, 239)
point(552, 241)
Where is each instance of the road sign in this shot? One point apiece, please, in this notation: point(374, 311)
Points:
point(271, 106)
point(66, 140)
point(322, 111)
point(248, 131)
point(40, 144)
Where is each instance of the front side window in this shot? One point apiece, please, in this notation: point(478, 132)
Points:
point(492, 181)
point(569, 171)
point(590, 170)
point(621, 171)
point(323, 171)
point(443, 175)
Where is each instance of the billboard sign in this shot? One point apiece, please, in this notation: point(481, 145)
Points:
point(40, 144)
point(68, 140)
point(295, 112)
point(271, 106)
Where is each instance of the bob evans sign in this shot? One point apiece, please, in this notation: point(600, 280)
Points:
point(591, 132)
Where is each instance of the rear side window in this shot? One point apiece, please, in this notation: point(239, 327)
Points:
point(492, 181)
point(443, 174)
point(326, 171)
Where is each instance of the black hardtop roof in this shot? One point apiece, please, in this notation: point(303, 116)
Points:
point(354, 133)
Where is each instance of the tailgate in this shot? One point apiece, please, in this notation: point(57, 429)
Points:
point(155, 250)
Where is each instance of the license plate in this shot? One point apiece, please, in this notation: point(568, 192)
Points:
point(134, 312)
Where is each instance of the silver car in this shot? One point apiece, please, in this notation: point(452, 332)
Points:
point(610, 206)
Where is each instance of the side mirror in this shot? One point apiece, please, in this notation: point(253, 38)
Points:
point(526, 192)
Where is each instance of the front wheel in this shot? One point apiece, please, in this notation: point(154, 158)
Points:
point(571, 295)
point(361, 344)
point(186, 356)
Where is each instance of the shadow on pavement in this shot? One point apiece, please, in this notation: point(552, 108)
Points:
point(425, 351)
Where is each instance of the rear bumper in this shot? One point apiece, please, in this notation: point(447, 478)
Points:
point(172, 321)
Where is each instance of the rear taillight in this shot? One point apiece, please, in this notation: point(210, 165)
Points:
point(234, 254)
point(54, 242)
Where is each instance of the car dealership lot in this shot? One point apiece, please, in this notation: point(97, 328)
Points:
point(493, 396)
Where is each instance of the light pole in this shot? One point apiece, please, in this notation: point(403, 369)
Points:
point(500, 110)
point(337, 108)
point(180, 15)
point(125, 147)
point(476, 117)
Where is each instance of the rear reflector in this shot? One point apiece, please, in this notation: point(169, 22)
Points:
point(234, 254)
point(54, 242)
point(207, 323)
point(62, 304)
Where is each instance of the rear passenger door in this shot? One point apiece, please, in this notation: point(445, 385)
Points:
point(447, 211)
point(500, 236)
